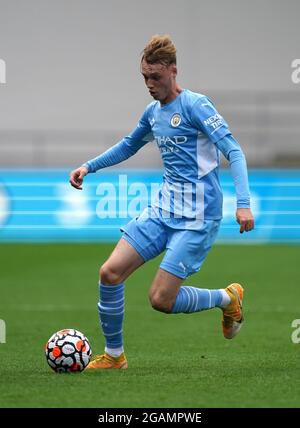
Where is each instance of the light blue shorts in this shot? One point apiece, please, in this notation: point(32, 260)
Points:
point(186, 250)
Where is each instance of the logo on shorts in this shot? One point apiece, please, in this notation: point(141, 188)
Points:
point(176, 120)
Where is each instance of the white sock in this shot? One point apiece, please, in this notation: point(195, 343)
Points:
point(114, 352)
point(225, 299)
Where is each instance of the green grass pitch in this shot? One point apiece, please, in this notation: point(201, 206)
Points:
point(174, 360)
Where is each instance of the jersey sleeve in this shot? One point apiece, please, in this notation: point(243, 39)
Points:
point(142, 133)
point(206, 118)
point(126, 148)
point(238, 166)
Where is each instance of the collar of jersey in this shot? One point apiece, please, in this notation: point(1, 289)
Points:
point(163, 106)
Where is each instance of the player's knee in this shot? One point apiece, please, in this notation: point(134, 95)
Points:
point(109, 275)
point(160, 304)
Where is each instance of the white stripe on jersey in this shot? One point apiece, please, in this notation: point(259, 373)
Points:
point(207, 155)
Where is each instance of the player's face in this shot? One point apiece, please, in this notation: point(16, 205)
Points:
point(159, 79)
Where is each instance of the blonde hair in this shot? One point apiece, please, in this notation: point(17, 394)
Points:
point(160, 49)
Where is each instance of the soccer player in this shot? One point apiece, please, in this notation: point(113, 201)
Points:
point(185, 217)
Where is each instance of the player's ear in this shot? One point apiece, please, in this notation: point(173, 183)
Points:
point(174, 69)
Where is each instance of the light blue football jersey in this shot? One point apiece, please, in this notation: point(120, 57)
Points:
point(185, 131)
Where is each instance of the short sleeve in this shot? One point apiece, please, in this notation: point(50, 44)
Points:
point(206, 118)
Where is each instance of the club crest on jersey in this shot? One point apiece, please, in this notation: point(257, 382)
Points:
point(175, 120)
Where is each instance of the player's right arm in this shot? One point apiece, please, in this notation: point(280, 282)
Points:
point(76, 177)
point(121, 151)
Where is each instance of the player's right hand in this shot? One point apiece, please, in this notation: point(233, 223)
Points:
point(76, 177)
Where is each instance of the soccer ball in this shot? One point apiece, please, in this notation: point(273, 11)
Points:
point(68, 350)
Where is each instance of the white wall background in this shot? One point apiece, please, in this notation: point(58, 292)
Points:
point(74, 87)
point(74, 64)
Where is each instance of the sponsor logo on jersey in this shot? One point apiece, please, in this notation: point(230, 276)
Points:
point(175, 139)
point(175, 120)
point(215, 121)
point(169, 144)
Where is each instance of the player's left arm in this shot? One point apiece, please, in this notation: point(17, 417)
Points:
point(236, 158)
point(206, 118)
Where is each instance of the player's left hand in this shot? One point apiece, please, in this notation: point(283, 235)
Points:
point(245, 219)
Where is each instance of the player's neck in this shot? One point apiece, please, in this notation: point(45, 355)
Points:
point(172, 95)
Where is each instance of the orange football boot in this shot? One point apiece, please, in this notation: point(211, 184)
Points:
point(233, 313)
point(106, 361)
